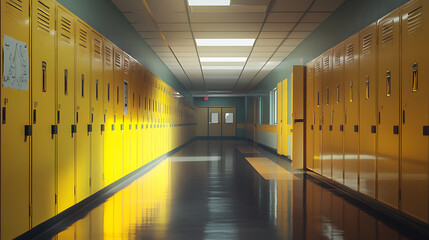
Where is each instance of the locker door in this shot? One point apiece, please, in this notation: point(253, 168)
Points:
point(145, 98)
point(149, 126)
point(337, 102)
point(82, 111)
point(415, 109)
point(133, 115)
point(298, 116)
point(128, 98)
point(97, 112)
point(351, 110)
point(279, 118)
point(118, 118)
point(367, 104)
point(43, 111)
point(317, 115)
point(214, 122)
point(285, 118)
point(140, 145)
point(65, 108)
point(109, 128)
point(388, 109)
point(15, 153)
point(309, 123)
point(327, 114)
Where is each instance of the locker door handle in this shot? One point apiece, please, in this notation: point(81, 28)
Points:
point(66, 87)
point(403, 116)
point(3, 115)
point(43, 76)
point(338, 93)
point(92, 117)
point(388, 84)
point(58, 117)
point(367, 87)
point(77, 117)
point(327, 96)
point(351, 91)
point(415, 77)
point(34, 116)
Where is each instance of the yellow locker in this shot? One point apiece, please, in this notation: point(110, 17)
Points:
point(317, 145)
point(279, 118)
point(118, 117)
point(415, 109)
point(145, 98)
point(43, 111)
point(298, 116)
point(367, 109)
point(351, 110)
point(82, 111)
point(97, 112)
point(285, 118)
point(326, 113)
point(337, 102)
point(109, 124)
point(149, 126)
point(309, 118)
point(133, 114)
point(126, 76)
point(15, 153)
point(65, 109)
point(140, 116)
point(388, 109)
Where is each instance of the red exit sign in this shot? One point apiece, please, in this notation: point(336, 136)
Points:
point(206, 98)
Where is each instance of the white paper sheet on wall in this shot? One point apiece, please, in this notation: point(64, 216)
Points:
point(215, 117)
point(15, 64)
point(125, 97)
point(229, 117)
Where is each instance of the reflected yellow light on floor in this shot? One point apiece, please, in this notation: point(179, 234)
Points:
point(268, 169)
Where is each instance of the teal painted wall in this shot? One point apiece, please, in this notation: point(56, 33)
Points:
point(347, 20)
point(238, 102)
point(103, 16)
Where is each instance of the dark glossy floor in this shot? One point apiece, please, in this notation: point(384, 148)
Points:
point(228, 190)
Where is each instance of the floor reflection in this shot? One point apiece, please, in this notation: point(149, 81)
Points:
point(228, 190)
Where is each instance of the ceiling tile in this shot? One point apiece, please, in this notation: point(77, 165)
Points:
point(226, 27)
point(145, 27)
point(264, 48)
point(268, 42)
point(177, 34)
point(226, 34)
point(278, 27)
point(146, 35)
point(293, 41)
point(224, 49)
point(284, 17)
point(265, 34)
point(223, 54)
point(231, 9)
point(166, 6)
point(181, 41)
point(138, 17)
point(161, 49)
point(306, 26)
point(176, 48)
point(168, 17)
point(286, 48)
point(155, 42)
point(291, 6)
point(174, 27)
point(227, 17)
point(315, 17)
point(299, 34)
point(326, 5)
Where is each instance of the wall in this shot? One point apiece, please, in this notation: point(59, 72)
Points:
point(238, 102)
point(348, 19)
point(104, 17)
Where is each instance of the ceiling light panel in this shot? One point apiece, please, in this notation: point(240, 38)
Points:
point(219, 42)
point(223, 59)
point(209, 2)
point(222, 67)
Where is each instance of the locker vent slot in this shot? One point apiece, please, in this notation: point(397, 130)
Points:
point(97, 47)
point(83, 38)
point(337, 59)
point(117, 61)
point(317, 68)
point(43, 17)
point(388, 32)
point(350, 53)
point(126, 65)
point(414, 20)
point(367, 44)
point(108, 53)
point(14, 6)
point(326, 63)
point(65, 29)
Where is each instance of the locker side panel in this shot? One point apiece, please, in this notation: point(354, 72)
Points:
point(118, 118)
point(367, 104)
point(279, 118)
point(43, 111)
point(415, 107)
point(82, 111)
point(388, 109)
point(326, 114)
point(109, 124)
point(285, 118)
point(351, 110)
point(15, 153)
point(65, 108)
point(337, 100)
point(317, 152)
point(97, 112)
point(310, 116)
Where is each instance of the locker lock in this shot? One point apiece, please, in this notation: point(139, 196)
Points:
point(74, 128)
point(320, 127)
point(373, 129)
point(113, 127)
point(102, 127)
point(54, 129)
point(89, 127)
point(312, 127)
point(396, 130)
point(330, 127)
point(356, 128)
point(425, 130)
point(342, 128)
point(122, 126)
point(28, 130)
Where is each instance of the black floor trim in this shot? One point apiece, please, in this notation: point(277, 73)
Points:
point(49, 228)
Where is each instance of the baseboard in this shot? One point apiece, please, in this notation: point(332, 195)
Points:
point(374, 205)
point(218, 138)
point(74, 213)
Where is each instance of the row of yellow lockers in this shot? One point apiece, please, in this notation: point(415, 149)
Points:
point(77, 113)
point(284, 124)
point(368, 111)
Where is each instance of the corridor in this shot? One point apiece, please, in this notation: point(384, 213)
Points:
point(213, 189)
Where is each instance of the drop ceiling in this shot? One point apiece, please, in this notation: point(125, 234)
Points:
point(171, 27)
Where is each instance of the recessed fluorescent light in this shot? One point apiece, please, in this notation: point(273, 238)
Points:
point(223, 59)
point(222, 67)
point(220, 42)
point(209, 2)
